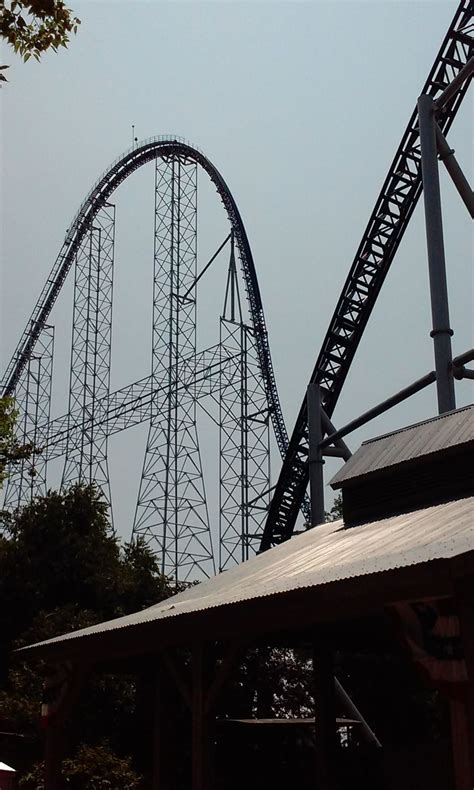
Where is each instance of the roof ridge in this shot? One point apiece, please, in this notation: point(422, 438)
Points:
point(417, 424)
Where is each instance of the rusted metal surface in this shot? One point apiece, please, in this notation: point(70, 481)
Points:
point(440, 433)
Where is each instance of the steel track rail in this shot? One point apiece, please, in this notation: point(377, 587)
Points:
point(387, 224)
point(99, 195)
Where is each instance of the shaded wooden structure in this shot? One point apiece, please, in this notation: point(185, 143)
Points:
point(407, 537)
point(7, 777)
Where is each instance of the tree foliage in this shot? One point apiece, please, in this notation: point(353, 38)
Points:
point(61, 569)
point(32, 27)
point(11, 451)
point(69, 557)
point(270, 682)
point(91, 768)
point(336, 511)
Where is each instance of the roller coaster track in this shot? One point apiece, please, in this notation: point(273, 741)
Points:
point(100, 193)
point(382, 237)
point(384, 232)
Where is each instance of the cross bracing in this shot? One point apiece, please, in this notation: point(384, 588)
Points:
point(381, 239)
point(172, 513)
point(33, 401)
point(87, 460)
point(133, 404)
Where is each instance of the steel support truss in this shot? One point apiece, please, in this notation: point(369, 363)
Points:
point(86, 459)
point(27, 478)
point(137, 402)
point(172, 514)
point(225, 379)
point(244, 439)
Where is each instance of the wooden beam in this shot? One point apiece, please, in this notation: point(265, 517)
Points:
point(144, 719)
point(53, 757)
point(325, 713)
point(460, 744)
point(164, 735)
point(201, 700)
point(462, 711)
point(157, 782)
point(199, 721)
point(342, 600)
point(222, 673)
point(55, 728)
point(179, 680)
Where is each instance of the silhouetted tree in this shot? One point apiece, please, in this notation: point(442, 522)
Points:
point(61, 569)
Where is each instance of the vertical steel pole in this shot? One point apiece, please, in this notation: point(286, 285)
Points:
point(244, 428)
point(316, 461)
point(441, 332)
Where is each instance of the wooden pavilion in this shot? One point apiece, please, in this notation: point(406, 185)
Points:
point(405, 545)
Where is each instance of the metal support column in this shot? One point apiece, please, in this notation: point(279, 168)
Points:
point(28, 477)
point(172, 514)
point(316, 461)
point(86, 454)
point(244, 440)
point(441, 332)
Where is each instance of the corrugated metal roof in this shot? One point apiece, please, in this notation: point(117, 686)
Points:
point(447, 430)
point(323, 555)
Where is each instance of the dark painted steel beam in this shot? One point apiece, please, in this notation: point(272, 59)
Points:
point(441, 332)
point(387, 224)
point(467, 356)
point(446, 155)
point(376, 411)
point(316, 461)
point(460, 79)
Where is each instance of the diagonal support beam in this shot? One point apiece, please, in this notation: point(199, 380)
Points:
point(446, 155)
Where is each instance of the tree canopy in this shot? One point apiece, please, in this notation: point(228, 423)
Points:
point(11, 450)
point(32, 27)
point(62, 568)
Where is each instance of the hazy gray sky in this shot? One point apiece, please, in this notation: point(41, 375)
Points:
point(301, 106)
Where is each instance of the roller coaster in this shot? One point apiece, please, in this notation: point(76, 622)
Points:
point(236, 374)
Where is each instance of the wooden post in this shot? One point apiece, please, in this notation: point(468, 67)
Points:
point(460, 744)
point(144, 712)
point(163, 734)
point(53, 756)
point(157, 782)
point(201, 699)
point(462, 711)
point(65, 697)
point(199, 721)
point(325, 714)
